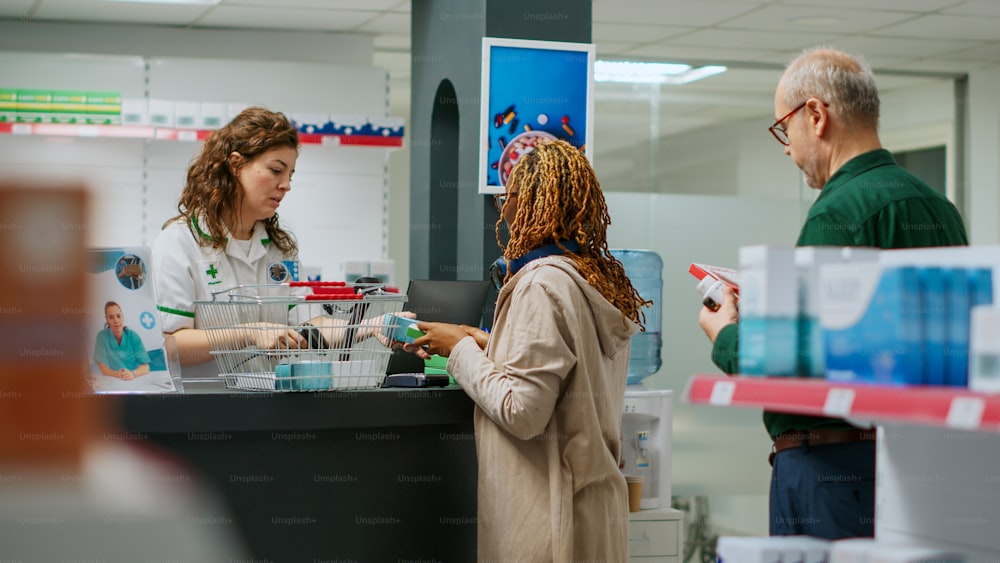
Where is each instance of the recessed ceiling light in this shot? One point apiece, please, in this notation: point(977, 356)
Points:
point(184, 2)
point(817, 21)
point(651, 73)
point(697, 74)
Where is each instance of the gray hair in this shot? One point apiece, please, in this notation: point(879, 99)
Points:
point(839, 79)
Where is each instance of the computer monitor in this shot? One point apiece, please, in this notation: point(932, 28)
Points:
point(443, 301)
point(448, 301)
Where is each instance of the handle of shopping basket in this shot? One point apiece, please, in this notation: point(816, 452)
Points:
point(358, 313)
point(319, 283)
point(313, 337)
point(334, 297)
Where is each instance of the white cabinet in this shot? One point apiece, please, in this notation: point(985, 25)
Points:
point(654, 536)
point(939, 486)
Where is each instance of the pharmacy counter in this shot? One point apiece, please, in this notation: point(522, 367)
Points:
point(379, 475)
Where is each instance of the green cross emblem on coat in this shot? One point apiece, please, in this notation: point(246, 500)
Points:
point(211, 271)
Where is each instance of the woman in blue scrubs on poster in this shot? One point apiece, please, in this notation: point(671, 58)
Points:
point(119, 351)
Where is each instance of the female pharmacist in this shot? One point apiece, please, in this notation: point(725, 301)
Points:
point(227, 234)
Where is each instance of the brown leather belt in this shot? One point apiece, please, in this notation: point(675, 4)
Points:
point(819, 437)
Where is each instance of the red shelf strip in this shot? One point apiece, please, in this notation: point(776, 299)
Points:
point(936, 406)
point(172, 134)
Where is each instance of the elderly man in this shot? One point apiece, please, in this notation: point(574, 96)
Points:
point(826, 109)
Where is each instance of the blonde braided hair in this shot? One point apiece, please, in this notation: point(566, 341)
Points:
point(560, 199)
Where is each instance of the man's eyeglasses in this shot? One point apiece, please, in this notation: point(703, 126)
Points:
point(500, 200)
point(778, 129)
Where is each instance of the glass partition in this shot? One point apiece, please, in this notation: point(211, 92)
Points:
point(691, 172)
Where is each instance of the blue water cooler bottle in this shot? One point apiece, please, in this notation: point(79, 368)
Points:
point(645, 269)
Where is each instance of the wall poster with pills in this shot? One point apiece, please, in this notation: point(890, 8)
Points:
point(532, 91)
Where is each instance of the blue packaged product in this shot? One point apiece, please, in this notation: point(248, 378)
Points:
point(970, 287)
point(302, 376)
point(981, 282)
point(871, 324)
point(282, 377)
point(311, 375)
point(404, 329)
point(769, 304)
point(935, 319)
point(959, 298)
point(808, 261)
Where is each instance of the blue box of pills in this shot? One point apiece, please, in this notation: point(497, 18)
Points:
point(303, 376)
point(768, 311)
point(808, 261)
point(959, 298)
point(871, 319)
point(404, 329)
point(934, 311)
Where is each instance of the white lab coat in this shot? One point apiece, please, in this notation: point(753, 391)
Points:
point(186, 272)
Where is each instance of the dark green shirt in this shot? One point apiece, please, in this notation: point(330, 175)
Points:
point(869, 201)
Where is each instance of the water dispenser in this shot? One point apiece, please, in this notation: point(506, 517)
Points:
point(645, 269)
point(647, 436)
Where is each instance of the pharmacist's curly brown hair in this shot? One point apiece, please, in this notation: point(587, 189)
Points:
point(212, 195)
point(560, 199)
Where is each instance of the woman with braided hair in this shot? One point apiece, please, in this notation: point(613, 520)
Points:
point(549, 382)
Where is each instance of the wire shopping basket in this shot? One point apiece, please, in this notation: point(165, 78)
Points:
point(301, 336)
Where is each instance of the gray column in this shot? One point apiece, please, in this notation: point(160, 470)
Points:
point(451, 225)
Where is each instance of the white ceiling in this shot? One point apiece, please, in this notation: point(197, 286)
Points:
point(940, 36)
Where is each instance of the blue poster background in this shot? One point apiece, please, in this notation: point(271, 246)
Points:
point(530, 83)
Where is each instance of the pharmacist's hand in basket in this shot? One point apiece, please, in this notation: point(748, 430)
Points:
point(270, 336)
point(713, 322)
point(441, 338)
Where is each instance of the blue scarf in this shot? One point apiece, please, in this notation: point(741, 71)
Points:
point(498, 271)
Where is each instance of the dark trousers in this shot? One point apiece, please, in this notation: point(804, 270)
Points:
point(824, 491)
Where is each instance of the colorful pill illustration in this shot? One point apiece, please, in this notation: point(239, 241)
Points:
point(513, 126)
point(494, 165)
point(542, 119)
point(498, 120)
point(509, 109)
point(502, 141)
point(508, 116)
point(565, 125)
point(527, 127)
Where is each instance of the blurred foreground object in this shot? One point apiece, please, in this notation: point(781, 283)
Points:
point(42, 303)
point(70, 487)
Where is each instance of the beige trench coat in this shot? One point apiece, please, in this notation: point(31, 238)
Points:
point(549, 390)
